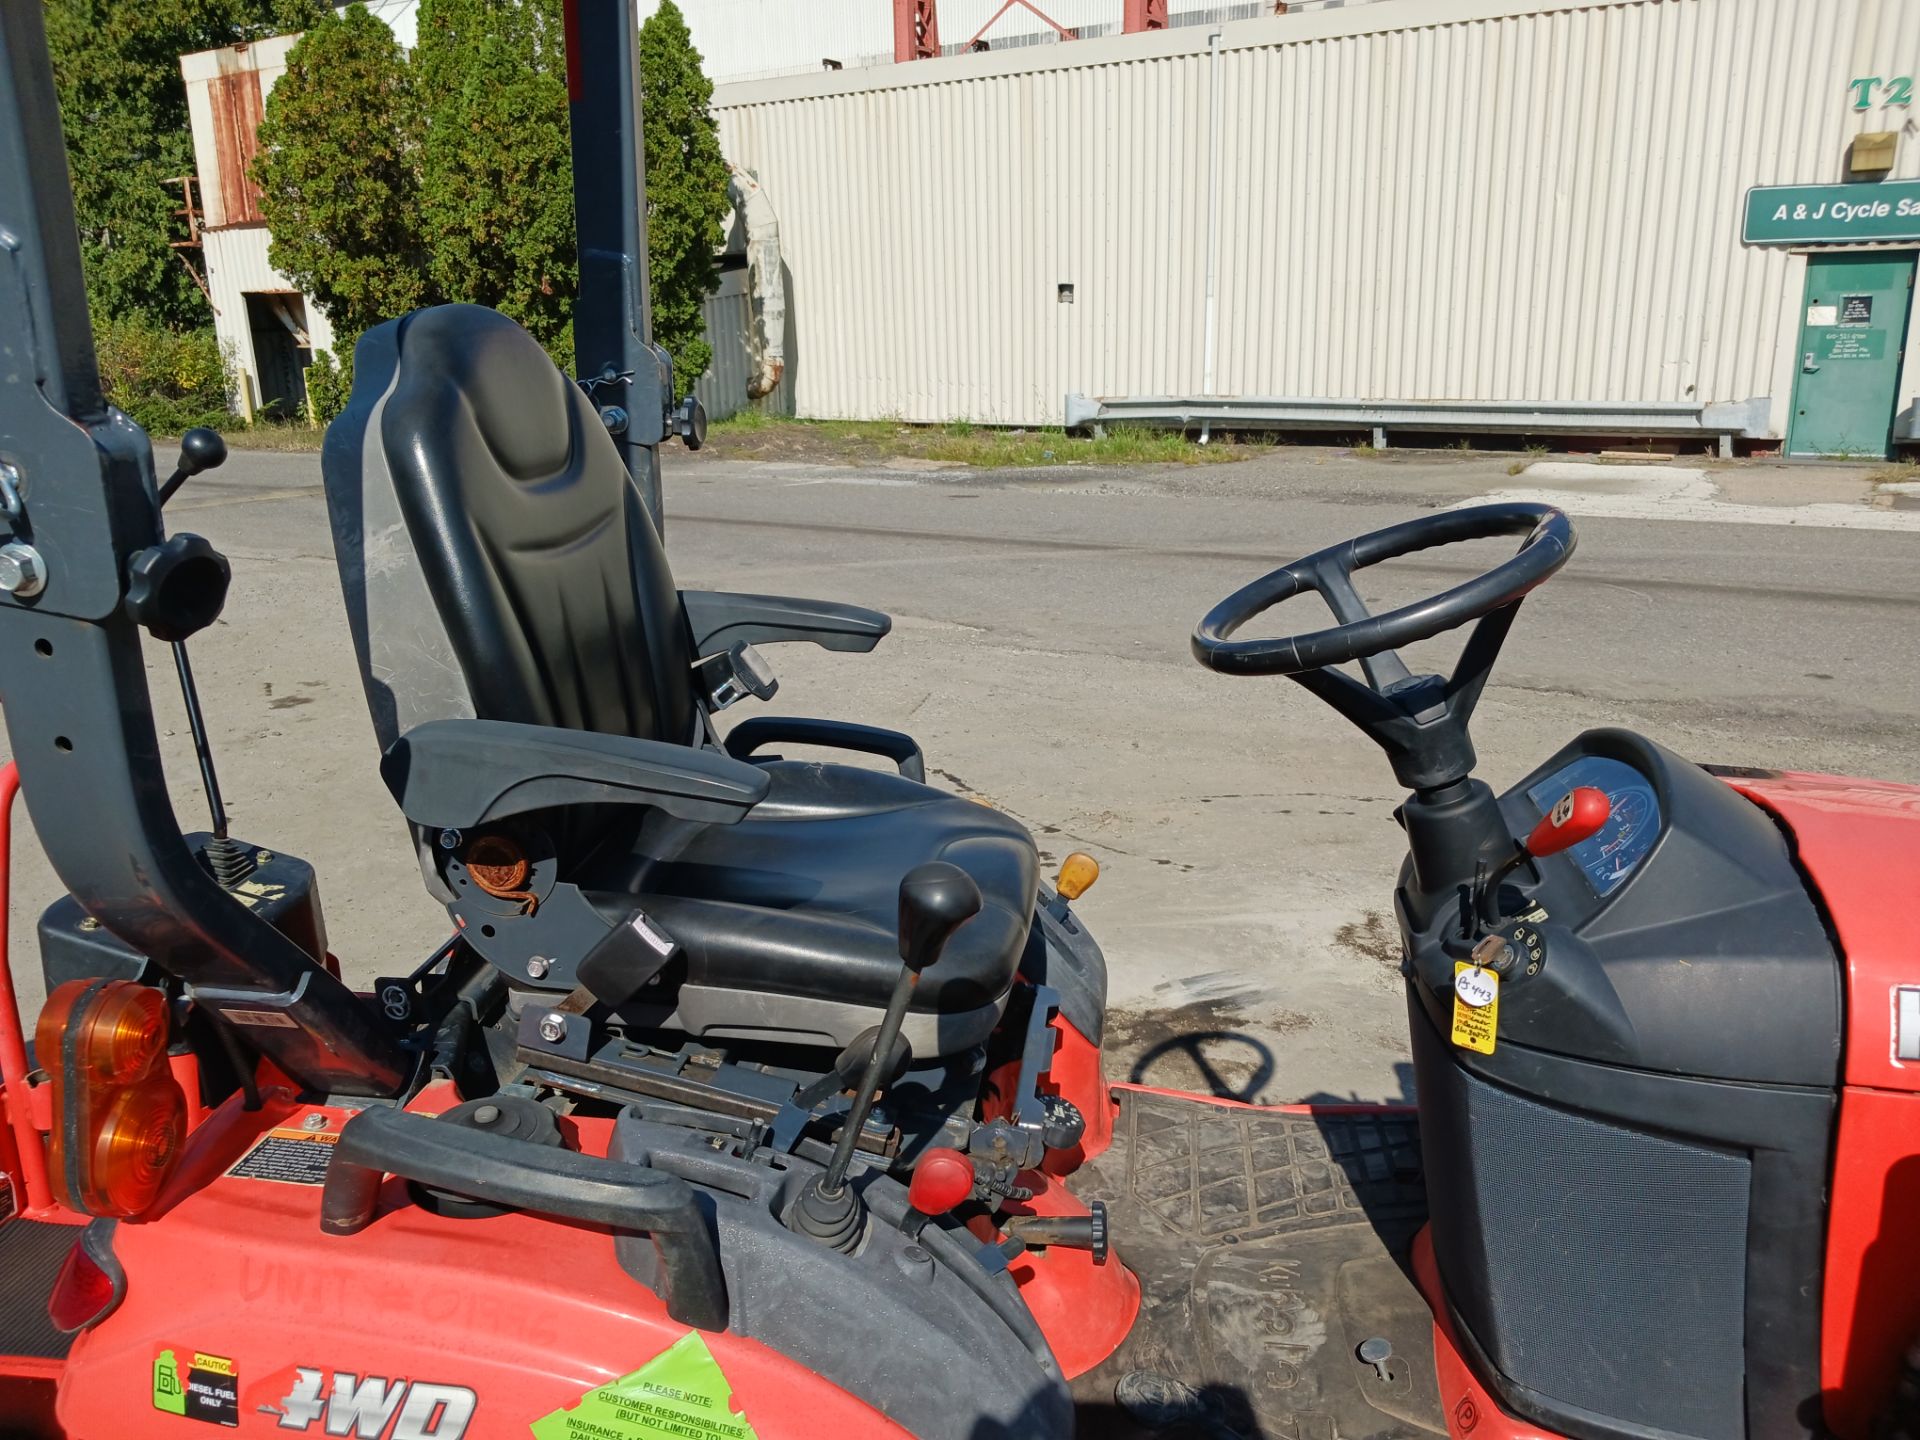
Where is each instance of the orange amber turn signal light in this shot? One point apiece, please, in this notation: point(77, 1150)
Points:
point(1077, 874)
point(120, 1116)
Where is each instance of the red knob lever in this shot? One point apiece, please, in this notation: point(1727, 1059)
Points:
point(941, 1180)
point(1578, 816)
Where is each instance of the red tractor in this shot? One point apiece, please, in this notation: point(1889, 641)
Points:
point(755, 1096)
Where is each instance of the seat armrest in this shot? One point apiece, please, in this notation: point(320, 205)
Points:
point(456, 774)
point(720, 619)
point(749, 735)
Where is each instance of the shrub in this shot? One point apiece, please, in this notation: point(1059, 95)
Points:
point(168, 380)
point(329, 382)
point(338, 171)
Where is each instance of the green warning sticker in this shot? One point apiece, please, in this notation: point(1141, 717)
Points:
point(168, 1393)
point(680, 1394)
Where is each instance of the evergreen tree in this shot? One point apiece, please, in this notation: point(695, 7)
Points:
point(496, 168)
point(338, 170)
point(124, 109)
point(686, 189)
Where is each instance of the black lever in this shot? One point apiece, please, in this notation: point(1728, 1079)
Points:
point(851, 1063)
point(848, 1066)
point(936, 899)
point(200, 449)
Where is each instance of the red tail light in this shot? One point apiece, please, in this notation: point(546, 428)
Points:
point(90, 1284)
point(119, 1116)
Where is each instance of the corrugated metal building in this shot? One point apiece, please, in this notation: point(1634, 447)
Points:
point(1409, 215)
point(262, 319)
point(1416, 214)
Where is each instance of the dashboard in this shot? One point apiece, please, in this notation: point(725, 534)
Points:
point(1608, 857)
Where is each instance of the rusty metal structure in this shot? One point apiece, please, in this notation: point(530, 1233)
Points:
point(916, 31)
point(916, 25)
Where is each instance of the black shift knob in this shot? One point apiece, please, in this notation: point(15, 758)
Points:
point(201, 449)
point(936, 899)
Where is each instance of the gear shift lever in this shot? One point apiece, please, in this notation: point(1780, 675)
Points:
point(200, 449)
point(936, 899)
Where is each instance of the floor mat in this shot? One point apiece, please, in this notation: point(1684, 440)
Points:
point(1270, 1248)
point(31, 1253)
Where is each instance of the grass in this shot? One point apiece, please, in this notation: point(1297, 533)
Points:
point(275, 436)
point(755, 434)
point(1900, 472)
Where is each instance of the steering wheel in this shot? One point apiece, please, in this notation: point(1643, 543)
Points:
point(1419, 721)
point(1360, 635)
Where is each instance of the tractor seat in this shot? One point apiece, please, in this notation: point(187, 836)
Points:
point(800, 901)
point(542, 689)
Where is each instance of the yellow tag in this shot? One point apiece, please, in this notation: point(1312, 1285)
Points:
point(1474, 1025)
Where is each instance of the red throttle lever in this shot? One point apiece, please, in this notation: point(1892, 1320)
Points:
point(1576, 816)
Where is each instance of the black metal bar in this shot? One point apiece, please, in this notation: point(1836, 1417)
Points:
point(601, 1079)
point(613, 314)
point(202, 751)
point(72, 681)
point(875, 1072)
point(540, 1178)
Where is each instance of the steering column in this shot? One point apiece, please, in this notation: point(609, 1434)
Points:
point(1452, 820)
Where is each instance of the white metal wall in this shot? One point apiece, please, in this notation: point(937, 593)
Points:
point(1419, 199)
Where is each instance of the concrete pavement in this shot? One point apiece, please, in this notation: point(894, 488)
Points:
point(1040, 655)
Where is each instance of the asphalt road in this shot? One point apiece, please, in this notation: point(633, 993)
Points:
point(1040, 655)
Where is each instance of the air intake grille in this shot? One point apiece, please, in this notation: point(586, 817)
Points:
point(1598, 1267)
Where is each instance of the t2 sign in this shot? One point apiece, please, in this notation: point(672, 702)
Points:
point(1897, 91)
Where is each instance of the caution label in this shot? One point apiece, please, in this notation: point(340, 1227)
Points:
point(680, 1394)
point(1476, 1006)
point(288, 1157)
point(206, 1388)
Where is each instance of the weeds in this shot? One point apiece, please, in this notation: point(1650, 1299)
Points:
point(275, 435)
point(755, 434)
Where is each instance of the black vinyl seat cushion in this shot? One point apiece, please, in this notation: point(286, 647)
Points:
point(802, 897)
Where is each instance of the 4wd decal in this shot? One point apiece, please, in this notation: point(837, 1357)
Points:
point(372, 1407)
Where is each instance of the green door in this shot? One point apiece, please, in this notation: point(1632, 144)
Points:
point(1853, 333)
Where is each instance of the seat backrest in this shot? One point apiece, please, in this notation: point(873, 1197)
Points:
point(496, 558)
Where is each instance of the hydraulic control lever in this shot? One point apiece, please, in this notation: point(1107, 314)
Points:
point(848, 1067)
point(160, 576)
point(936, 899)
point(200, 449)
point(1576, 816)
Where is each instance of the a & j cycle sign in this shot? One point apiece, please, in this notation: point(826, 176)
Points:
point(1832, 214)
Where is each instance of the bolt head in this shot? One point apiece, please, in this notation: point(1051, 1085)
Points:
point(449, 839)
point(315, 1121)
point(22, 572)
point(553, 1027)
point(487, 1115)
point(538, 966)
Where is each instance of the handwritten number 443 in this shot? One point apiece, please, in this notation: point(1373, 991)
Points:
point(1897, 91)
